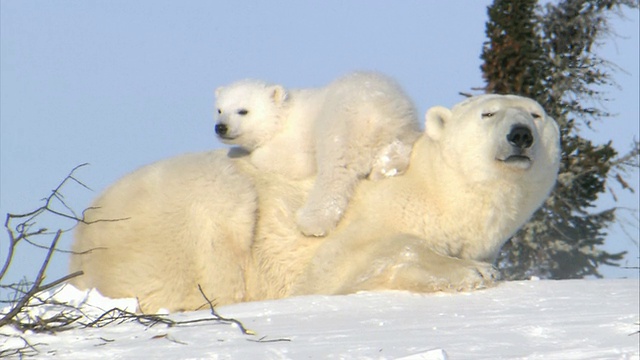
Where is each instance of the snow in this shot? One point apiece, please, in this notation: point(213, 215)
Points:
point(569, 319)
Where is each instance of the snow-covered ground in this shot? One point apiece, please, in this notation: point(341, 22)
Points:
point(581, 319)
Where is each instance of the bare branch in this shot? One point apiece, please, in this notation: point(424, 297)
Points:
point(217, 316)
point(28, 349)
point(35, 288)
point(25, 230)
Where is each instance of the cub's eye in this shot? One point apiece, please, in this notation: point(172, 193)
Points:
point(536, 115)
point(219, 111)
point(487, 115)
point(243, 112)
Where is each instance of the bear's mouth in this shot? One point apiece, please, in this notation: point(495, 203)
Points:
point(227, 137)
point(518, 161)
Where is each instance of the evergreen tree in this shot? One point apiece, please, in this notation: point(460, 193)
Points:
point(546, 54)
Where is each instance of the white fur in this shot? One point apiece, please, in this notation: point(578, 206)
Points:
point(359, 125)
point(223, 224)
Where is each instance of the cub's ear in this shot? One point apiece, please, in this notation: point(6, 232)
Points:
point(435, 121)
point(278, 94)
point(218, 91)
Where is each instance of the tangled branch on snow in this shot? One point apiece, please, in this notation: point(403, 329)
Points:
point(24, 232)
point(34, 309)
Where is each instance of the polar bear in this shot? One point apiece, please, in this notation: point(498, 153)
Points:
point(476, 174)
point(360, 125)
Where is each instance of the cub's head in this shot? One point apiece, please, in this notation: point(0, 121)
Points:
point(491, 137)
point(249, 113)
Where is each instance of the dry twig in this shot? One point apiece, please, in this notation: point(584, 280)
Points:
point(23, 232)
point(220, 318)
point(28, 295)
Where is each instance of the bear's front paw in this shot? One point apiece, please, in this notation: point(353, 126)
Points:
point(315, 222)
point(473, 275)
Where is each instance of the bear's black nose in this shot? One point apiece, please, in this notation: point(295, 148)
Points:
point(221, 129)
point(520, 136)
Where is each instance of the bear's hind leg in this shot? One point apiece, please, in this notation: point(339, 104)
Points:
point(355, 261)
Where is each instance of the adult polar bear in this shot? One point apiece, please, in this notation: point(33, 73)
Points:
point(476, 175)
point(360, 125)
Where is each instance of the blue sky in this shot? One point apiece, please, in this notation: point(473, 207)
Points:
point(120, 84)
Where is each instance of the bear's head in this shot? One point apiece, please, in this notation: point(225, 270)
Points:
point(493, 159)
point(249, 113)
point(490, 137)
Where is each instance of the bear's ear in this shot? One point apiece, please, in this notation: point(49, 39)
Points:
point(278, 94)
point(218, 91)
point(435, 121)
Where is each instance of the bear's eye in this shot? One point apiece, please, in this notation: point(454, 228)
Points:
point(487, 114)
point(219, 111)
point(243, 112)
point(536, 115)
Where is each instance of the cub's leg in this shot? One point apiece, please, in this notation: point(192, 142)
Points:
point(342, 160)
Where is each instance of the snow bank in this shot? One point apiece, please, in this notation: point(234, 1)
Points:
point(581, 319)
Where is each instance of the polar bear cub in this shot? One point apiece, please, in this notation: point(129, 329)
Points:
point(361, 125)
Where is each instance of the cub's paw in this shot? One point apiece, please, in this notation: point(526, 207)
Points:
point(392, 160)
point(315, 222)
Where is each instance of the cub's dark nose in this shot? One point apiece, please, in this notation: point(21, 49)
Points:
point(221, 129)
point(520, 136)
